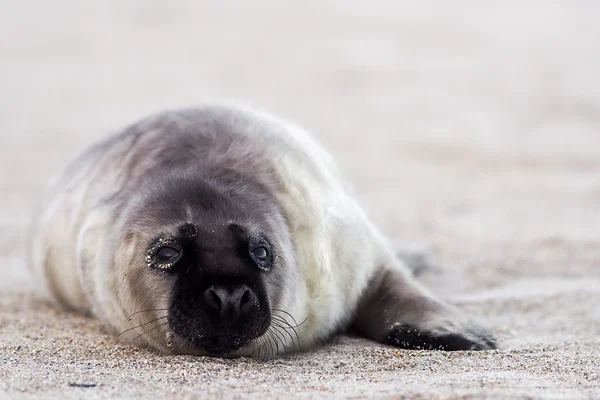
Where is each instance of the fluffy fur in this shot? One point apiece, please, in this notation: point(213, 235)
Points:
point(89, 240)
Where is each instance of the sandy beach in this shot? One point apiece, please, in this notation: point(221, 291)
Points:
point(471, 130)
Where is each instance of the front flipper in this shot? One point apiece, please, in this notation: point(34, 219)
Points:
point(394, 310)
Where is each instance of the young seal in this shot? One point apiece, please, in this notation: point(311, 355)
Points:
point(222, 230)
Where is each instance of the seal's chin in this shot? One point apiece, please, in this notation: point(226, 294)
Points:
point(226, 345)
point(221, 345)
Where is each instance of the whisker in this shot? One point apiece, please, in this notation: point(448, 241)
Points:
point(257, 347)
point(277, 324)
point(148, 310)
point(280, 336)
point(141, 325)
point(263, 346)
point(270, 333)
point(151, 309)
point(271, 345)
point(253, 348)
point(290, 327)
point(285, 312)
point(148, 331)
point(295, 326)
point(274, 345)
point(157, 333)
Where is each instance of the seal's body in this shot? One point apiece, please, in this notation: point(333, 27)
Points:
point(223, 230)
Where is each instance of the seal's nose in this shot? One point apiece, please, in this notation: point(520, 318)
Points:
point(230, 304)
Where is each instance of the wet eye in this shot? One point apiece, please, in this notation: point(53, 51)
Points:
point(167, 254)
point(164, 253)
point(260, 253)
point(262, 259)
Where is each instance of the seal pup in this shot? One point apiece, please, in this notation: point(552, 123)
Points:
point(223, 230)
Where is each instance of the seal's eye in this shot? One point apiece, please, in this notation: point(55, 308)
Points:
point(261, 257)
point(164, 254)
point(260, 253)
point(167, 254)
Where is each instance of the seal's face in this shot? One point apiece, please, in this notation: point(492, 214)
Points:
point(218, 301)
point(209, 262)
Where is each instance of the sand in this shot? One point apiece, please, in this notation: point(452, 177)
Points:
point(470, 129)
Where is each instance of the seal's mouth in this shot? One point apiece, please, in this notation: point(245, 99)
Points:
point(222, 344)
point(216, 342)
point(220, 318)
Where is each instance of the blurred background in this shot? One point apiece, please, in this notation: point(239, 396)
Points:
point(472, 128)
point(469, 128)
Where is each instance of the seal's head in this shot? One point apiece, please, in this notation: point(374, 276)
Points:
point(206, 258)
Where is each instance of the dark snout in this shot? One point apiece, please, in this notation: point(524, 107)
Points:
point(220, 316)
point(220, 301)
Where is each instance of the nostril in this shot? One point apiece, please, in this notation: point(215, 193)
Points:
point(247, 299)
point(229, 304)
point(213, 300)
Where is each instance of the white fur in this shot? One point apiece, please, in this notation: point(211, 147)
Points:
point(337, 248)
